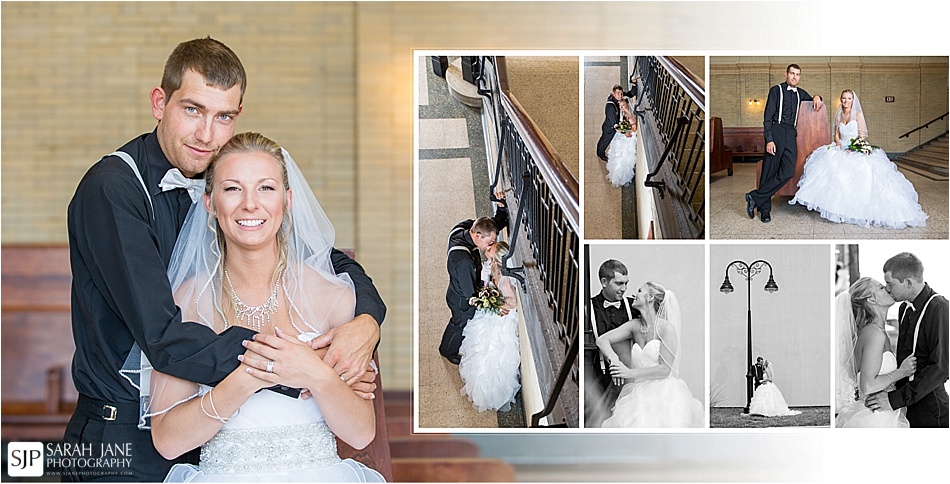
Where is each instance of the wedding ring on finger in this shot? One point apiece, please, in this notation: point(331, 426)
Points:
point(342, 378)
point(269, 368)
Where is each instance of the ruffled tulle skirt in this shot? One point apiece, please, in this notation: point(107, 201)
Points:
point(622, 159)
point(347, 470)
point(769, 401)
point(665, 403)
point(491, 360)
point(855, 188)
point(856, 415)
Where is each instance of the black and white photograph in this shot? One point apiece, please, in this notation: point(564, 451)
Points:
point(769, 337)
point(644, 147)
point(891, 328)
point(806, 147)
point(644, 337)
point(491, 349)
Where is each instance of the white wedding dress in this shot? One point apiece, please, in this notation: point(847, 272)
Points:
point(858, 188)
point(274, 438)
point(856, 415)
point(662, 403)
point(769, 402)
point(491, 358)
point(622, 159)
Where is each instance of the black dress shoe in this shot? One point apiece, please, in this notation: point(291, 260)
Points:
point(455, 359)
point(765, 218)
point(749, 205)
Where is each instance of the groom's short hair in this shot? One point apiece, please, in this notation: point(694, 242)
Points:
point(905, 265)
point(611, 267)
point(617, 87)
point(484, 226)
point(793, 66)
point(214, 61)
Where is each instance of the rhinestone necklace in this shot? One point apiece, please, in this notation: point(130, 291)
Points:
point(255, 317)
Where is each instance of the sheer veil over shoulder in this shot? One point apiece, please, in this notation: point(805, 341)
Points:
point(272, 437)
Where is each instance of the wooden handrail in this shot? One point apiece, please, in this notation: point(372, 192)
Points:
point(563, 183)
point(925, 125)
point(694, 86)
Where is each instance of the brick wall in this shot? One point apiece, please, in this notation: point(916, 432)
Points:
point(918, 84)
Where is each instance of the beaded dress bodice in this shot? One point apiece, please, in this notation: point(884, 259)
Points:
point(272, 432)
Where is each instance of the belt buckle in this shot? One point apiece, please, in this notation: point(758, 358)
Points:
point(112, 412)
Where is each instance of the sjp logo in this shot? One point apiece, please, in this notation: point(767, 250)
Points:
point(25, 459)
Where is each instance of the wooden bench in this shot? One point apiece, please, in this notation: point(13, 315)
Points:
point(720, 156)
point(38, 392)
point(744, 141)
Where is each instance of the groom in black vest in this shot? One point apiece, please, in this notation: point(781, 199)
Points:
point(778, 166)
point(922, 332)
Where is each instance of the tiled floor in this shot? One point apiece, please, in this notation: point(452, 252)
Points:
point(604, 213)
point(728, 219)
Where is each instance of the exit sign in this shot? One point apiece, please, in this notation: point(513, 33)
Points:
point(888, 99)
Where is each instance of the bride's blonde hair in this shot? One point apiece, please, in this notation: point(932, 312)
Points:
point(860, 301)
point(658, 292)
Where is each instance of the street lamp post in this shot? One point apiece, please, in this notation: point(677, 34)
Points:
point(748, 271)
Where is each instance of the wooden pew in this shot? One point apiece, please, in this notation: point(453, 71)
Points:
point(812, 132)
point(720, 155)
point(744, 141)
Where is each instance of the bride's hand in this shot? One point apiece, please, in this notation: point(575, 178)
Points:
point(908, 366)
point(295, 364)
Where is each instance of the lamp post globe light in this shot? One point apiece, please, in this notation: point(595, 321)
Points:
point(748, 271)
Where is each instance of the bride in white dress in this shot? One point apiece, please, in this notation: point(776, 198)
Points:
point(653, 395)
point(768, 400)
point(622, 153)
point(491, 358)
point(248, 252)
point(866, 361)
point(853, 187)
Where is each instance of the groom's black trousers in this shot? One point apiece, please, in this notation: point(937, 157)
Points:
point(777, 169)
point(91, 430)
point(930, 411)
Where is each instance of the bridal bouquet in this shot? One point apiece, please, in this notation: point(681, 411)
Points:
point(623, 126)
point(860, 145)
point(488, 298)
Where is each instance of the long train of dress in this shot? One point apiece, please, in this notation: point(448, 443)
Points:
point(491, 360)
point(622, 159)
point(858, 188)
point(661, 403)
point(273, 438)
point(856, 415)
point(769, 401)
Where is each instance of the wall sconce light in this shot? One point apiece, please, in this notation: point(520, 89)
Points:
point(754, 102)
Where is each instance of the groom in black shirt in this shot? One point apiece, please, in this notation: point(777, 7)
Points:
point(923, 321)
point(778, 165)
point(611, 118)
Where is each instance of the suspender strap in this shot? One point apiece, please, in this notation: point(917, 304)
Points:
point(127, 158)
point(781, 102)
point(920, 317)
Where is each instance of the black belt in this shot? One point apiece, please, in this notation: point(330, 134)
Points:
point(117, 412)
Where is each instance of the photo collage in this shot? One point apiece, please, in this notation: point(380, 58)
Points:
point(596, 215)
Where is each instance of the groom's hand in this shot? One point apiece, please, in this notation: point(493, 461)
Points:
point(878, 402)
point(350, 347)
point(816, 103)
point(770, 147)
